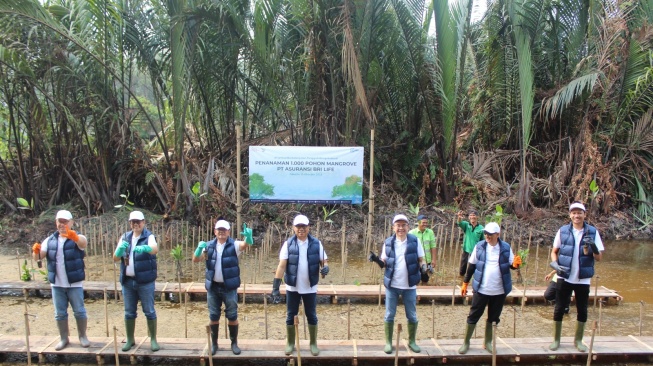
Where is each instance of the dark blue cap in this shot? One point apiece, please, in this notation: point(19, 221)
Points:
point(421, 217)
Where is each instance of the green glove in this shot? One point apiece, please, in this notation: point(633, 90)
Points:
point(247, 234)
point(120, 251)
point(200, 247)
point(142, 249)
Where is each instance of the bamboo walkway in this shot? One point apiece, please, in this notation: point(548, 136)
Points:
point(437, 293)
point(434, 351)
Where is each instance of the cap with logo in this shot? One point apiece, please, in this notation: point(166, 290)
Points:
point(136, 215)
point(300, 220)
point(64, 214)
point(492, 228)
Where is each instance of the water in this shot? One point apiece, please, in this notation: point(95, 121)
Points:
point(627, 267)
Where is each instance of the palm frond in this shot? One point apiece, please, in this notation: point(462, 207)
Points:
point(576, 88)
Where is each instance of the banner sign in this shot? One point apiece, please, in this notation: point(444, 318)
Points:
point(305, 174)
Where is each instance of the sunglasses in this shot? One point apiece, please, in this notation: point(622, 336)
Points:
point(488, 234)
point(136, 222)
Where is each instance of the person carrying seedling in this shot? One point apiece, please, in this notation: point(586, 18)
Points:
point(64, 251)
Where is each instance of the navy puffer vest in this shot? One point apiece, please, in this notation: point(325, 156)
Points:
point(229, 262)
point(313, 257)
point(73, 259)
point(145, 270)
point(566, 253)
point(410, 255)
point(504, 265)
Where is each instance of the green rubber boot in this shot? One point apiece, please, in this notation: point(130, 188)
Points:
point(312, 331)
point(130, 325)
point(151, 327)
point(578, 339)
point(557, 331)
point(487, 341)
point(412, 330)
point(468, 335)
point(389, 328)
point(64, 332)
point(290, 339)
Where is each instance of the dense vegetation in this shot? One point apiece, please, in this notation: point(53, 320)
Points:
point(525, 105)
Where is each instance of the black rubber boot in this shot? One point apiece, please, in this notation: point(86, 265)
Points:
point(214, 338)
point(487, 341)
point(233, 335)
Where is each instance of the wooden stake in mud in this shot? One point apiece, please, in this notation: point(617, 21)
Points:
point(514, 322)
point(537, 264)
point(18, 259)
point(596, 290)
point(265, 312)
point(29, 353)
point(453, 293)
point(528, 251)
point(115, 345)
point(208, 344)
point(589, 352)
point(299, 355)
point(397, 344)
point(600, 315)
point(494, 343)
point(115, 281)
point(239, 204)
point(186, 314)
point(433, 319)
point(381, 284)
point(348, 318)
point(106, 312)
point(641, 316)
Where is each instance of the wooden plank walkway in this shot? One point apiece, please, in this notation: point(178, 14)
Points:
point(509, 350)
point(532, 294)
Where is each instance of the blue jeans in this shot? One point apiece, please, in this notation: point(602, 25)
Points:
point(292, 307)
point(132, 291)
point(61, 296)
point(216, 296)
point(410, 304)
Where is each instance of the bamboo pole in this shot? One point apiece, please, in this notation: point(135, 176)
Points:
point(29, 352)
point(106, 312)
point(20, 274)
point(589, 352)
point(265, 312)
point(528, 250)
point(344, 251)
point(239, 203)
point(299, 355)
point(185, 314)
point(453, 227)
point(600, 315)
point(370, 212)
point(348, 318)
point(596, 290)
point(433, 318)
point(208, 344)
point(537, 264)
point(397, 344)
point(115, 282)
point(494, 343)
point(115, 345)
point(641, 316)
point(514, 322)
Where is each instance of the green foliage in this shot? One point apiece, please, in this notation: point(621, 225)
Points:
point(327, 213)
point(497, 216)
point(352, 189)
point(24, 205)
point(177, 253)
point(594, 188)
point(25, 274)
point(414, 210)
point(258, 188)
point(523, 253)
point(644, 212)
point(195, 190)
point(127, 204)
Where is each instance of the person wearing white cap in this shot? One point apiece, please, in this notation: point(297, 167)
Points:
point(136, 252)
point(489, 263)
point(64, 250)
point(300, 258)
point(222, 279)
point(575, 249)
point(402, 257)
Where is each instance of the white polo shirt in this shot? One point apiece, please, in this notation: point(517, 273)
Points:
point(573, 272)
point(400, 274)
point(303, 284)
point(61, 277)
point(492, 283)
point(217, 256)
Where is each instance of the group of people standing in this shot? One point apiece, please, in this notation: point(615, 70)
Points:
point(407, 257)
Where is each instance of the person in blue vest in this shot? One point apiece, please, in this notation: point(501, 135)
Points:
point(222, 279)
point(300, 258)
point(402, 257)
point(136, 251)
point(575, 249)
point(64, 251)
point(489, 263)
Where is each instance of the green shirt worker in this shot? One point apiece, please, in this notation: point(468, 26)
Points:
point(426, 238)
point(473, 234)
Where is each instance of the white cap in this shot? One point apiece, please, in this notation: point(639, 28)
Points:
point(64, 214)
point(222, 224)
point(492, 228)
point(577, 205)
point(400, 217)
point(136, 215)
point(300, 220)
